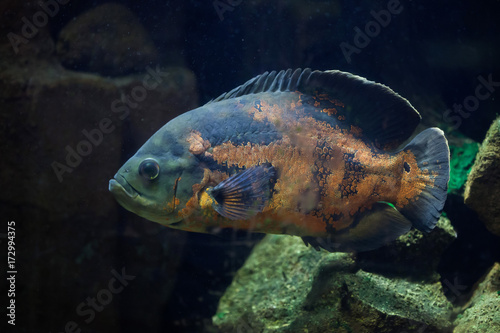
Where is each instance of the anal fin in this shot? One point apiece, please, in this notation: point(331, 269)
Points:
point(372, 229)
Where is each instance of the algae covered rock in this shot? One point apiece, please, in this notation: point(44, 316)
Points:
point(482, 191)
point(285, 286)
point(108, 40)
point(482, 313)
point(415, 253)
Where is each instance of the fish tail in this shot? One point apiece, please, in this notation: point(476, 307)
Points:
point(431, 151)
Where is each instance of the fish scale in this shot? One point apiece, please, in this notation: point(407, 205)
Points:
point(307, 153)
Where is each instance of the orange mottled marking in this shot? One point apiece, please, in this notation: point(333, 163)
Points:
point(300, 99)
point(327, 174)
point(356, 131)
point(191, 206)
point(198, 204)
point(329, 111)
point(333, 166)
point(326, 97)
point(337, 102)
point(413, 182)
point(196, 143)
point(172, 204)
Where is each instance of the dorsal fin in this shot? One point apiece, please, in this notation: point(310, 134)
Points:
point(386, 118)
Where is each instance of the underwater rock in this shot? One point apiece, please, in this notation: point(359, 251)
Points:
point(482, 313)
point(108, 39)
point(70, 228)
point(55, 119)
point(416, 253)
point(71, 126)
point(177, 92)
point(483, 184)
point(43, 119)
point(285, 286)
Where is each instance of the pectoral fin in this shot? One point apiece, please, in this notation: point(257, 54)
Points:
point(243, 195)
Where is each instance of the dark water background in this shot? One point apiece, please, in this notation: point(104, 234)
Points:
point(432, 53)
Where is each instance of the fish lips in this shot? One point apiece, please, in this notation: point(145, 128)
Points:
point(132, 200)
point(119, 185)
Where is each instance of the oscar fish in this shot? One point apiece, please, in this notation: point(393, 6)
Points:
point(323, 155)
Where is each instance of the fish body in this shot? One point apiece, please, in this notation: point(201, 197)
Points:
point(306, 153)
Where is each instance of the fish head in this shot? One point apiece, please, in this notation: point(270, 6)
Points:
point(155, 182)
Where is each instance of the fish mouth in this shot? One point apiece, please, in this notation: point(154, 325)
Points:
point(138, 203)
point(119, 183)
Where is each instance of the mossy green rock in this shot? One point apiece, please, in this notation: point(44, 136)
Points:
point(414, 255)
point(287, 287)
point(482, 313)
point(483, 184)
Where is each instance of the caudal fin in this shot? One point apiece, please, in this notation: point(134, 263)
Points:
point(430, 148)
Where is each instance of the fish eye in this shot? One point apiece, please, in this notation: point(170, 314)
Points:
point(149, 169)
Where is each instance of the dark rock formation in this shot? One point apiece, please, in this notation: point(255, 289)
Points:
point(416, 254)
point(287, 287)
point(64, 134)
point(108, 40)
point(482, 191)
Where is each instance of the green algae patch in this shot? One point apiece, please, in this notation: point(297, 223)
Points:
point(461, 160)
